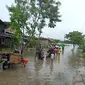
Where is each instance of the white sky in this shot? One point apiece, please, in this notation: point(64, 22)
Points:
point(73, 18)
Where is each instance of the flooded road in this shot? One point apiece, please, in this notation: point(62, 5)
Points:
point(43, 72)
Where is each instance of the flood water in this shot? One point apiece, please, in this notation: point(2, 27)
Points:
point(43, 72)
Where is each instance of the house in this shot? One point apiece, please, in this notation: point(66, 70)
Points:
point(46, 41)
point(5, 37)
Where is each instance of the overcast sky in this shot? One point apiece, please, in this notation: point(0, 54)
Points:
point(73, 18)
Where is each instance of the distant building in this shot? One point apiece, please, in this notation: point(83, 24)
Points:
point(46, 41)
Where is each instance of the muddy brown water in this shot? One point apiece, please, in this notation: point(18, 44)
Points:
point(43, 72)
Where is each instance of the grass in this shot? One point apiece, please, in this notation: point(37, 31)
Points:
point(6, 50)
point(83, 56)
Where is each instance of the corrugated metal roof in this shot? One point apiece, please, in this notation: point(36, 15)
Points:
point(5, 35)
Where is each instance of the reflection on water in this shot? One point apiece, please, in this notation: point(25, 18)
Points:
point(58, 59)
point(51, 65)
point(62, 51)
point(45, 72)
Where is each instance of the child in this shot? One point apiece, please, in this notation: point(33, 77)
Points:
point(59, 51)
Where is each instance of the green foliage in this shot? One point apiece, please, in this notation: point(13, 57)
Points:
point(83, 55)
point(16, 41)
point(6, 50)
point(33, 15)
point(42, 11)
point(19, 16)
point(75, 37)
point(82, 48)
point(33, 43)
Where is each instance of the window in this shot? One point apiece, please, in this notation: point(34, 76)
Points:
point(1, 30)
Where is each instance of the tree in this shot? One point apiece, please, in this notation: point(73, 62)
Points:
point(19, 16)
point(42, 13)
point(75, 37)
point(33, 43)
point(36, 12)
point(33, 15)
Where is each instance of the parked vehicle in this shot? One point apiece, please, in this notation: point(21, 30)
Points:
point(9, 59)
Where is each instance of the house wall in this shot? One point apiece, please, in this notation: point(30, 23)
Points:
point(10, 30)
point(5, 39)
point(44, 42)
point(2, 29)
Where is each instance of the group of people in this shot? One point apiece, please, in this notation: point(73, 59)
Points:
point(51, 52)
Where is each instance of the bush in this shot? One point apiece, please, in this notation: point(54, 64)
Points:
point(83, 56)
point(33, 43)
